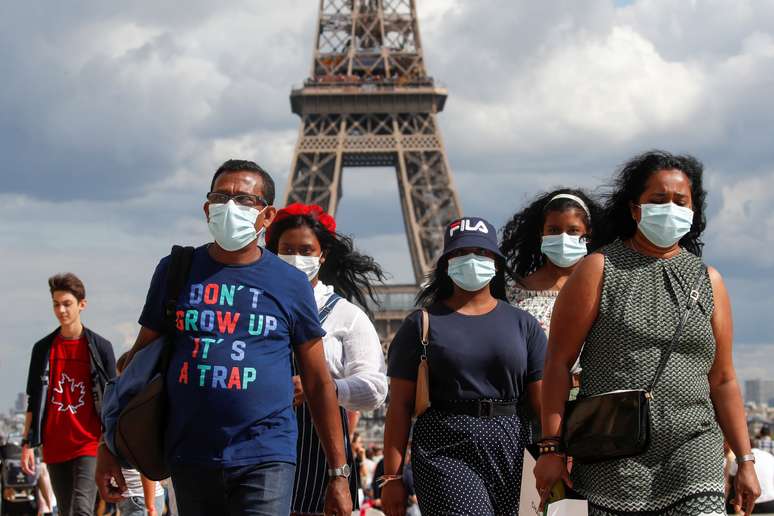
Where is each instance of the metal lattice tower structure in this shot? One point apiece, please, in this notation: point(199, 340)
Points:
point(370, 102)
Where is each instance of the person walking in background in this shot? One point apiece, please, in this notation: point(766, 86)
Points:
point(624, 304)
point(68, 371)
point(764, 442)
point(485, 359)
point(305, 237)
point(231, 432)
point(542, 245)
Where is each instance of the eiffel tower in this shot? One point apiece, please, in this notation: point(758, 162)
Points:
point(369, 102)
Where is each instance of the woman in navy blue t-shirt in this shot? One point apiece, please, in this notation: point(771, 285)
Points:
point(485, 359)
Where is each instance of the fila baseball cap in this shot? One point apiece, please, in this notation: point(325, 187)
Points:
point(470, 232)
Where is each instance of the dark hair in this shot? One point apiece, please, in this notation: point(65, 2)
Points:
point(67, 282)
point(522, 235)
point(239, 165)
point(349, 272)
point(439, 285)
point(630, 183)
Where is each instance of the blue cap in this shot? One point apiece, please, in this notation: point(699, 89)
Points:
point(470, 232)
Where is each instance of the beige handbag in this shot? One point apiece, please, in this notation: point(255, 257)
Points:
point(422, 399)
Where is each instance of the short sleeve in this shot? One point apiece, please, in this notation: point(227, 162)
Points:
point(536, 350)
point(305, 321)
point(405, 350)
point(152, 316)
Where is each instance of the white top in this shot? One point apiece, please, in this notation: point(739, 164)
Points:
point(353, 353)
point(134, 484)
point(764, 469)
point(539, 304)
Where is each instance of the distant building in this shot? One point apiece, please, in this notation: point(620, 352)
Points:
point(759, 391)
point(21, 403)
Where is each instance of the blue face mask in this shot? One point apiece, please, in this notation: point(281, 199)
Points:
point(471, 272)
point(564, 250)
point(665, 224)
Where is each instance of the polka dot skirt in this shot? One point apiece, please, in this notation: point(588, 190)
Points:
point(465, 465)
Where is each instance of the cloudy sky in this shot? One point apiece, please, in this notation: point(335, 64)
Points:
point(113, 118)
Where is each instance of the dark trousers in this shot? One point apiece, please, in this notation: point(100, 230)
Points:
point(260, 489)
point(74, 486)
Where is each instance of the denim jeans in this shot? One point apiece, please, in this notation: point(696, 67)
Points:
point(74, 486)
point(135, 506)
point(259, 489)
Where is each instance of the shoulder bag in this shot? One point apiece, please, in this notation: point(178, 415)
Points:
point(616, 424)
point(135, 410)
point(422, 398)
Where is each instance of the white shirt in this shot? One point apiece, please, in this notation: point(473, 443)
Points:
point(353, 353)
point(764, 469)
point(134, 484)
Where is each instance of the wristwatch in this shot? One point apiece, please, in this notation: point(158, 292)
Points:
point(343, 471)
point(746, 458)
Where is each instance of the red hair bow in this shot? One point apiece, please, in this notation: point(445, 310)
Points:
point(311, 210)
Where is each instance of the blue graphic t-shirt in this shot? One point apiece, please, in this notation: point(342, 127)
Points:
point(229, 380)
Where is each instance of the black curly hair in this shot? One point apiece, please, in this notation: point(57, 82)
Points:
point(629, 184)
point(350, 273)
point(522, 235)
point(439, 286)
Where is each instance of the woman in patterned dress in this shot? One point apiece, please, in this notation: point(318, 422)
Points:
point(624, 303)
point(542, 245)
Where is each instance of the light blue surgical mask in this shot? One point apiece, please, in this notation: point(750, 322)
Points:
point(471, 272)
point(232, 225)
point(665, 224)
point(564, 250)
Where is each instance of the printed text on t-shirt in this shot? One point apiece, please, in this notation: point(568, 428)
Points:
point(214, 312)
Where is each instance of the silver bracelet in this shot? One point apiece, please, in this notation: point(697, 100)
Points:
point(746, 458)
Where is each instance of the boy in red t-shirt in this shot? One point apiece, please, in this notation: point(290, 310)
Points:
point(68, 372)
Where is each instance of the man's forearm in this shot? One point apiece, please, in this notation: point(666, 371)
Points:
point(321, 397)
point(145, 337)
point(27, 425)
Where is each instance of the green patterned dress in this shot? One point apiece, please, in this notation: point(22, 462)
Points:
point(681, 473)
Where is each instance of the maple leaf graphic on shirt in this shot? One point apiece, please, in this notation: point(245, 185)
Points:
point(68, 395)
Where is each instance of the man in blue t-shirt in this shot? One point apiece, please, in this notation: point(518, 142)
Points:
point(231, 434)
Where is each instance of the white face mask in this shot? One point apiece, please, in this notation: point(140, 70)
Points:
point(564, 250)
point(665, 224)
point(471, 272)
point(309, 265)
point(233, 226)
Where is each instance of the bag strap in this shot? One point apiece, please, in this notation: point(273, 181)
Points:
point(177, 275)
point(425, 333)
point(693, 297)
point(326, 309)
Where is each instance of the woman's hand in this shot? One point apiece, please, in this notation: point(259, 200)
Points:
point(394, 498)
point(550, 469)
point(298, 391)
point(747, 488)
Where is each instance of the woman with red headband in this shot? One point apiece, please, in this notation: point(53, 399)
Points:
point(305, 237)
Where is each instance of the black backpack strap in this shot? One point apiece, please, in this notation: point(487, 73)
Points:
point(177, 276)
point(693, 297)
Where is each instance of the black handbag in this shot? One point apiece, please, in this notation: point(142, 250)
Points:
point(616, 424)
